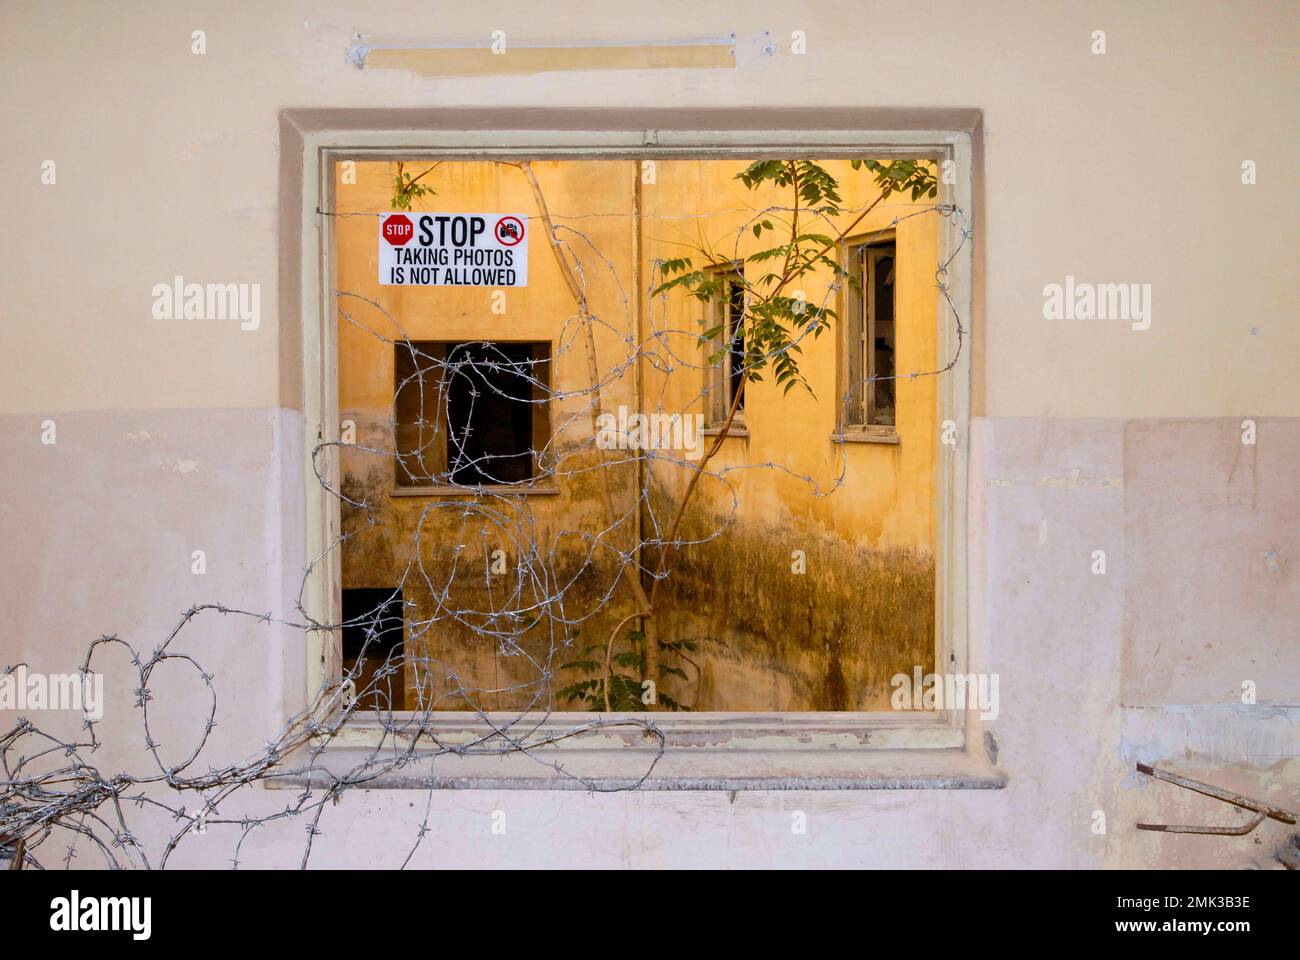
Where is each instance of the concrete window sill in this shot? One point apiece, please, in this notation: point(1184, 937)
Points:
point(449, 491)
point(809, 753)
point(804, 770)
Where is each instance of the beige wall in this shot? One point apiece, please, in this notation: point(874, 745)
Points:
point(1088, 435)
point(1082, 154)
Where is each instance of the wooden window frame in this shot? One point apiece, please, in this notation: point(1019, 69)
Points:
point(718, 376)
point(541, 427)
point(858, 332)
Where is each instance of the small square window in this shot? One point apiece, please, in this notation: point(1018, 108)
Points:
point(470, 414)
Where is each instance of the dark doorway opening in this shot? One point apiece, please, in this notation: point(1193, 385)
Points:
point(374, 630)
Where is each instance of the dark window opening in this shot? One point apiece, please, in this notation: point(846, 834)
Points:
point(374, 629)
point(880, 271)
point(736, 328)
point(470, 414)
point(725, 375)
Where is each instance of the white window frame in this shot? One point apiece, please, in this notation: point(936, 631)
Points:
point(793, 750)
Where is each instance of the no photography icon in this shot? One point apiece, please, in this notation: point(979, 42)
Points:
point(509, 231)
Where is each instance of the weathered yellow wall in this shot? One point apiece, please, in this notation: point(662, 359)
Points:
point(830, 638)
point(867, 596)
point(379, 552)
point(888, 497)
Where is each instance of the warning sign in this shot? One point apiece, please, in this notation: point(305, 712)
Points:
point(453, 249)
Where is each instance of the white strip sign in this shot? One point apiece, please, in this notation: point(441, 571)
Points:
point(453, 249)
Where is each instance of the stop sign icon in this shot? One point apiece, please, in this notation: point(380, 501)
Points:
point(398, 229)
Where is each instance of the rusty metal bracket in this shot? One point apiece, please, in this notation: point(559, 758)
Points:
point(1262, 810)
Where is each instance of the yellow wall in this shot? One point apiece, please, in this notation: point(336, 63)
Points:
point(862, 513)
point(888, 493)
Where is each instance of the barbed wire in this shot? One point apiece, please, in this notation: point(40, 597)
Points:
point(560, 581)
